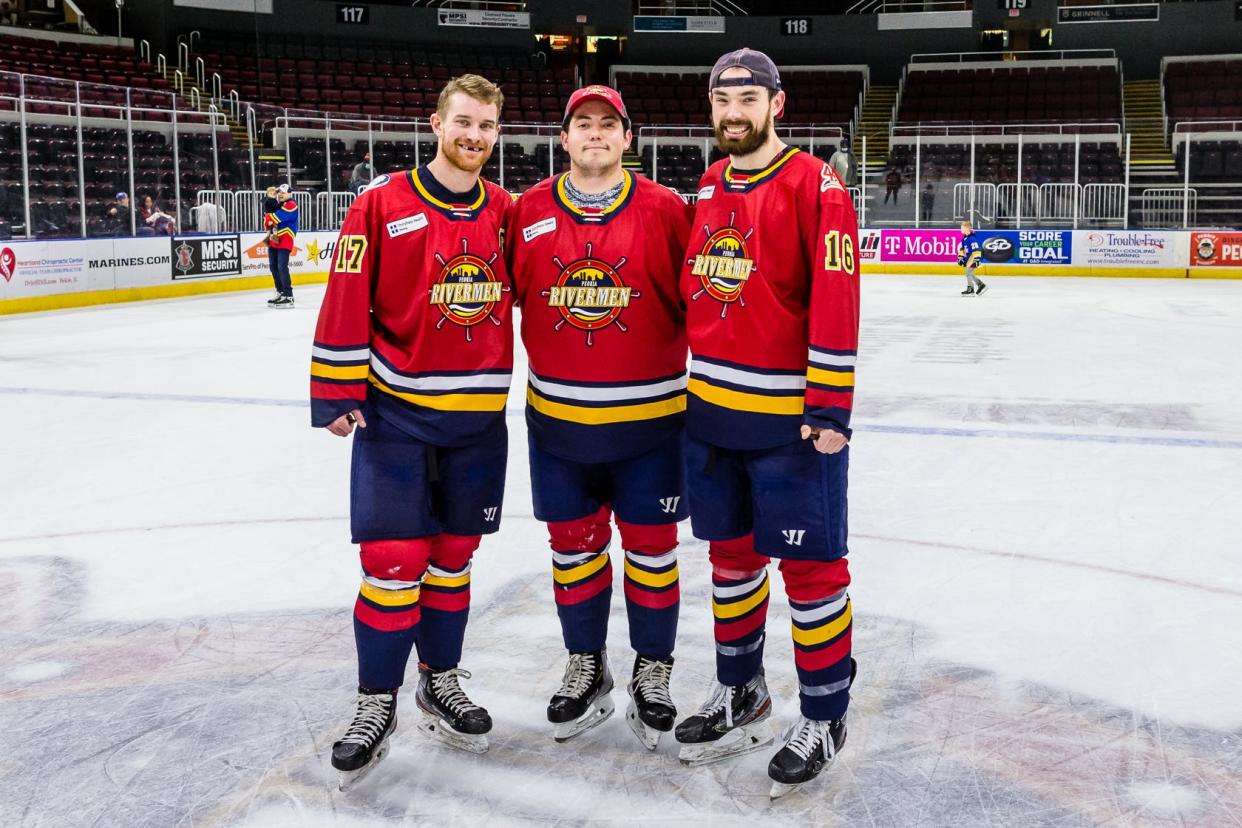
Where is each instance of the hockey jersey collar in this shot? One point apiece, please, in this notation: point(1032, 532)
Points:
point(743, 181)
point(593, 216)
point(463, 206)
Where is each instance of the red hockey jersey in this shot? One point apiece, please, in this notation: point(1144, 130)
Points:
point(416, 318)
point(771, 289)
point(601, 318)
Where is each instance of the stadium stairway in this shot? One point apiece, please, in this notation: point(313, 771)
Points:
point(1144, 119)
point(876, 120)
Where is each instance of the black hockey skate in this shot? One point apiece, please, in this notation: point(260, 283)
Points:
point(583, 702)
point(982, 288)
point(810, 746)
point(969, 291)
point(365, 743)
point(729, 723)
point(448, 714)
point(651, 711)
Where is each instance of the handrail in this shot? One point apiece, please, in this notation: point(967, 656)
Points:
point(183, 55)
point(996, 57)
point(200, 71)
point(144, 51)
point(193, 34)
point(195, 101)
point(161, 64)
point(217, 86)
point(235, 103)
point(179, 81)
point(967, 128)
point(1207, 125)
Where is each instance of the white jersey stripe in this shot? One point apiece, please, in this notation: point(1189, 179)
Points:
point(832, 360)
point(434, 382)
point(753, 379)
point(611, 393)
point(356, 355)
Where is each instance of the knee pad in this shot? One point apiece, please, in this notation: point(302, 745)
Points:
point(647, 539)
point(396, 560)
point(735, 558)
point(810, 581)
point(586, 534)
point(453, 552)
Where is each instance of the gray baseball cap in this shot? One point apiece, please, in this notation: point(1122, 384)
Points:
point(763, 71)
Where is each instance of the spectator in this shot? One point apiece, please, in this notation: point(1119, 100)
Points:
point(155, 219)
point(927, 201)
point(846, 165)
point(362, 174)
point(892, 185)
point(282, 228)
point(116, 220)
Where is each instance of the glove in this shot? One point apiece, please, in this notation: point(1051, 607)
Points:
point(961, 260)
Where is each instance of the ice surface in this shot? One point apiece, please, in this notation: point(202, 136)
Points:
point(1046, 486)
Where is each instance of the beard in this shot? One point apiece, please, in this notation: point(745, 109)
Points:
point(755, 137)
point(462, 161)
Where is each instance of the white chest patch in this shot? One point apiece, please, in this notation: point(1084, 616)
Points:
point(538, 229)
point(407, 225)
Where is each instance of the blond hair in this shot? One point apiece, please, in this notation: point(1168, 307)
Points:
point(477, 87)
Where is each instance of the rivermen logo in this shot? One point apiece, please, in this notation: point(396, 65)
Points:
point(724, 265)
point(590, 294)
point(466, 291)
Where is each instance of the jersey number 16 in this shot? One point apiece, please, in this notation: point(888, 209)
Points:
point(839, 251)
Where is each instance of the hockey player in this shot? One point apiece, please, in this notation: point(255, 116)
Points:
point(771, 288)
point(414, 346)
point(969, 252)
point(595, 255)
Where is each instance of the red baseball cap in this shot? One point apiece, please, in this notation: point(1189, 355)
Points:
point(596, 92)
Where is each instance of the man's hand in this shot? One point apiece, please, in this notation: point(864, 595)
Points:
point(343, 425)
point(826, 440)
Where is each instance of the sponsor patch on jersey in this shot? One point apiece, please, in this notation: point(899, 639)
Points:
point(407, 225)
point(376, 183)
point(538, 229)
point(707, 192)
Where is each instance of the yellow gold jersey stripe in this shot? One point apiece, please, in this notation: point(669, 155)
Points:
point(767, 171)
point(743, 401)
point(825, 377)
point(447, 402)
point(602, 416)
point(345, 372)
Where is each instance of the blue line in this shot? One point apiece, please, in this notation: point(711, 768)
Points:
point(1054, 437)
point(925, 431)
point(134, 395)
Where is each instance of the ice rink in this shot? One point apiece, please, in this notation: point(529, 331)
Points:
point(1046, 517)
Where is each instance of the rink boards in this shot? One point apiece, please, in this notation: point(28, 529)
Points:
point(47, 274)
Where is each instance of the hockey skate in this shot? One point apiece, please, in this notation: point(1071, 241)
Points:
point(651, 711)
point(979, 290)
point(448, 715)
point(365, 743)
point(969, 291)
point(583, 702)
point(810, 746)
point(729, 723)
